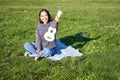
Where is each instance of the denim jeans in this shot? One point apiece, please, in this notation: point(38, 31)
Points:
point(45, 52)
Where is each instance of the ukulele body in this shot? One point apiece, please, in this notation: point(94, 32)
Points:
point(50, 34)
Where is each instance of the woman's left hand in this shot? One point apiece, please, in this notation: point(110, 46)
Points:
point(57, 18)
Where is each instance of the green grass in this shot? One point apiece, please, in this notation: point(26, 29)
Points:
point(99, 19)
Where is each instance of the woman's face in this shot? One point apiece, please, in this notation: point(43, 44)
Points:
point(44, 17)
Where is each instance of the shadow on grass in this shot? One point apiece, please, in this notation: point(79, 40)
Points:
point(78, 40)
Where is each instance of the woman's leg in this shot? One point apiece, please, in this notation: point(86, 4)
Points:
point(30, 48)
point(46, 52)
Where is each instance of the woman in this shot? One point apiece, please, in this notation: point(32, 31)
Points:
point(42, 47)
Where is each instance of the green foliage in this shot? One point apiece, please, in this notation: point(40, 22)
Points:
point(91, 26)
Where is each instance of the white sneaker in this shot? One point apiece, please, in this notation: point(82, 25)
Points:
point(36, 58)
point(33, 55)
point(26, 54)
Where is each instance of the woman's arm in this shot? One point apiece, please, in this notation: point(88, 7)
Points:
point(38, 40)
point(55, 22)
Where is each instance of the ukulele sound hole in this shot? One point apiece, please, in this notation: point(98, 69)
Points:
point(51, 31)
point(48, 37)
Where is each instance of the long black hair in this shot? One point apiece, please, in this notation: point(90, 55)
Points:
point(49, 16)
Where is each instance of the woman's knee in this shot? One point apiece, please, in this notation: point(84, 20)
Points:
point(26, 44)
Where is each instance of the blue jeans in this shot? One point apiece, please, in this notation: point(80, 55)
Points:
point(45, 52)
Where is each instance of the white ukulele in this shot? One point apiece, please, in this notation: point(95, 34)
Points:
point(50, 34)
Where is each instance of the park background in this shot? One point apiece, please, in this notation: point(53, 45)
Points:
point(91, 26)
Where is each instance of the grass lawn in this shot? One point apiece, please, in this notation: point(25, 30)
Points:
point(91, 26)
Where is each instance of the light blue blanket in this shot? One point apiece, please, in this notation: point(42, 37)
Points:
point(64, 51)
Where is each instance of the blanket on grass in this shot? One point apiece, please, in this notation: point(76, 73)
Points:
point(64, 51)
